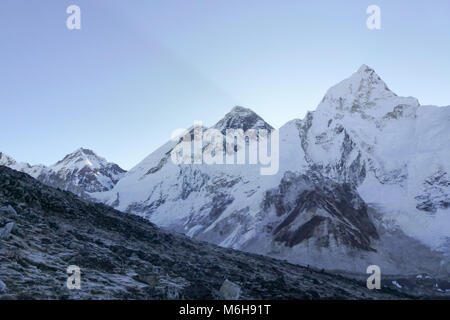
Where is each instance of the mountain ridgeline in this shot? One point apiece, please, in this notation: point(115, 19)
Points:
point(364, 179)
point(81, 172)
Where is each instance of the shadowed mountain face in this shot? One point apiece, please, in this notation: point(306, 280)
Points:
point(124, 256)
point(317, 209)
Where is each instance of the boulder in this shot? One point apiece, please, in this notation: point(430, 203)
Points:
point(5, 232)
point(172, 293)
point(230, 291)
point(2, 287)
point(8, 210)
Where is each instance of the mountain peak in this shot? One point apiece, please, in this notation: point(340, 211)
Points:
point(362, 82)
point(362, 91)
point(242, 118)
point(84, 151)
point(367, 73)
point(80, 158)
point(10, 162)
point(84, 171)
point(79, 172)
point(365, 69)
point(239, 109)
point(6, 160)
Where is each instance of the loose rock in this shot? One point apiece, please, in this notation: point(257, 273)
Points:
point(8, 209)
point(2, 287)
point(230, 291)
point(5, 232)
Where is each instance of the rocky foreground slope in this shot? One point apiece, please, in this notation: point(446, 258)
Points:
point(44, 230)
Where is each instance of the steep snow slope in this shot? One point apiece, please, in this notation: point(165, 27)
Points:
point(80, 172)
point(393, 149)
point(366, 170)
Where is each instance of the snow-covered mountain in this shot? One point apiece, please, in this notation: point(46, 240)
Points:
point(241, 118)
point(363, 180)
point(8, 161)
point(393, 149)
point(81, 172)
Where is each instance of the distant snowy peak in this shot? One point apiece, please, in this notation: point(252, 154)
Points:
point(79, 159)
point(80, 172)
point(364, 93)
point(242, 118)
point(83, 171)
point(6, 160)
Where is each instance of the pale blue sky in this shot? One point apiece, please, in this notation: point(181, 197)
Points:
point(140, 69)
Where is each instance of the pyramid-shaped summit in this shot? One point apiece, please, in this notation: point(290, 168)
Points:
point(242, 118)
point(364, 91)
point(364, 82)
point(81, 155)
